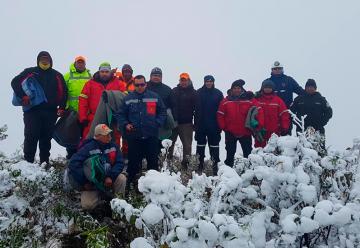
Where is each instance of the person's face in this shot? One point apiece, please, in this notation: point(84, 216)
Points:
point(267, 90)
point(140, 85)
point(80, 65)
point(236, 91)
point(105, 139)
point(310, 90)
point(209, 84)
point(277, 71)
point(45, 60)
point(156, 78)
point(105, 75)
point(127, 75)
point(184, 82)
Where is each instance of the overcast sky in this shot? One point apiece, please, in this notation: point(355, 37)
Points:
point(229, 39)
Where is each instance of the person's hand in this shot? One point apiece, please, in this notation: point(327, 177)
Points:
point(88, 186)
point(108, 182)
point(60, 112)
point(25, 100)
point(129, 127)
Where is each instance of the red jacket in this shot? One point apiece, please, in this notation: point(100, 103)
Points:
point(91, 94)
point(277, 118)
point(232, 113)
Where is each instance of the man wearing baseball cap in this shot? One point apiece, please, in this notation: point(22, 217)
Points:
point(75, 80)
point(97, 168)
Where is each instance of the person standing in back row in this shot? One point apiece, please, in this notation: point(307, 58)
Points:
point(206, 127)
point(185, 100)
point(40, 120)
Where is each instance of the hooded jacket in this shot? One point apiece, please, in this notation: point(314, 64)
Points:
point(91, 94)
point(207, 105)
point(50, 80)
point(285, 86)
point(317, 109)
point(75, 82)
point(185, 101)
point(232, 113)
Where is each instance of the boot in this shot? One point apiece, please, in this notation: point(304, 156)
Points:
point(201, 167)
point(215, 168)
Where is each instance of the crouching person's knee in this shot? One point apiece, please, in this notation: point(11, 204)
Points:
point(120, 184)
point(90, 199)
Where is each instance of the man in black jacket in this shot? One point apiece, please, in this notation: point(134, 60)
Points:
point(185, 99)
point(317, 110)
point(206, 126)
point(40, 120)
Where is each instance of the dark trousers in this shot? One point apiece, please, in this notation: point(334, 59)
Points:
point(39, 127)
point(230, 146)
point(213, 139)
point(142, 148)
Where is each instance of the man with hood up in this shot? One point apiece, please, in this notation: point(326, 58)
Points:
point(206, 127)
point(40, 120)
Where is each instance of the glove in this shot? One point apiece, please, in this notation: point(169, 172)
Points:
point(60, 112)
point(25, 100)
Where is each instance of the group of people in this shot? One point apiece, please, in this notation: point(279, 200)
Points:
point(150, 111)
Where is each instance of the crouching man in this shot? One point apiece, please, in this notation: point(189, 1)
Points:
point(97, 169)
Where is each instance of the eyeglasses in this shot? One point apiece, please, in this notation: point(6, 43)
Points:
point(140, 85)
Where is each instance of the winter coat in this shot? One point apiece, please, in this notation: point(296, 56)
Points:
point(75, 82)
point(50, 80)
point(145, 111)
point(109, 153)
point(316, 108)
point(207, 105)
point(163, 91)
point(276, 115)
point(185, 101)
point(232, 114)
point(285, 86)
point(91, 94)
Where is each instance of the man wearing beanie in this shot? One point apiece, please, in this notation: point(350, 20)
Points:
point(206, 127)
point(276, 115)
point(75, 80)
point(39, 120)
point(185, 100)
point(90, 96)
point(312, 104)
point(231, 117)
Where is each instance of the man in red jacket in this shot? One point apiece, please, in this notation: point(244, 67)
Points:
point(90, 96)
point(277, 117)
point(231, 117)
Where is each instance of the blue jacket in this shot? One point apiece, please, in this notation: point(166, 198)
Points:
point(33, 89)
point(146, 112)
point(285, 86)
point(110, 154)
point(207, 104)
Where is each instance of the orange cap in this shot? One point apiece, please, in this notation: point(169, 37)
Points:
point(80, 58)
point(184, 75)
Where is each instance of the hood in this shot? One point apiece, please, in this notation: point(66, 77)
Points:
point(44, 53)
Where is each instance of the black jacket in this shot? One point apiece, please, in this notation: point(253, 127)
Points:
point(185, 101)
point(163, 91)
point(207, 104)
point(316, 108)
point(285, 86)
point(51, 81)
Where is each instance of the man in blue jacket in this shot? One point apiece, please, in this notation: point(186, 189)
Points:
point(206, 126)
point(140, 117)
point(97, 168)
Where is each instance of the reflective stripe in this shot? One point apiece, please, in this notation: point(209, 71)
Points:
point(131, 101)
point(83, 96)
point(221, 112)
point(200, 145)
point(96, 151)
point(270, 104)
point(75, 78)
point(214, 146)
point(112, 149)
point(284, 111)
point(150, 100)
point(73, 98)
point(241, 101)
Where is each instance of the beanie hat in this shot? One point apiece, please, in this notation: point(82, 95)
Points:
point(267, 83)
point(238, 83)
point(209, 78)
point(105, 66)
point(44, 54)
point(310, 82)
point(126, 67)
point(156, 71)
point(277, 64)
